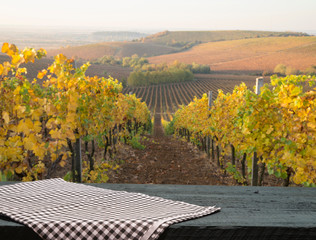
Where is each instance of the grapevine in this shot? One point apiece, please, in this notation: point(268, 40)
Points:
point(279, 125)
point(39, 124)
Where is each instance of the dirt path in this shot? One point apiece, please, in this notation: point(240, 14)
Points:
point(167, 160)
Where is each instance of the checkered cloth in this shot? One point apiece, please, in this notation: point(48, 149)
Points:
point(56, 209)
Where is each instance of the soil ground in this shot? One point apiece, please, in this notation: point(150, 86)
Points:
point(168, 160)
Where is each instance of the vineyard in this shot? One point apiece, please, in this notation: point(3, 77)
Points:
point(165, 99)
point(45, 116)
point(42, 126)
point(275, 126)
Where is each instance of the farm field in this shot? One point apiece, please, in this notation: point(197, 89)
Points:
point(177, 37)
point(258, 54)
point(162, 43)
point(165, 99)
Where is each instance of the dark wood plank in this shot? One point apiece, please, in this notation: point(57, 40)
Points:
point(247, 212)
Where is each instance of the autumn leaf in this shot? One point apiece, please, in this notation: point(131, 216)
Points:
point(29, 142)
point(21, 70)
point(41, 53)
point(37, 126)
point(16, 60)
point(9, 49)
point(18, 169)
point(39, 152)
point(29, 55)
point(6, 68)
point(62, 163)
point(54, 134)
point(5, 48)
point(23, 127)
point(60, 59)
point(1, 69)
point(41, 74)
point(6, 117)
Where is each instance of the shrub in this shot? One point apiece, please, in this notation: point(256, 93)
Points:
point(135, 143)
point(311, 70)
point(280, 69)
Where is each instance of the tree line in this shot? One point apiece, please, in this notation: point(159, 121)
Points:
point(145, 74)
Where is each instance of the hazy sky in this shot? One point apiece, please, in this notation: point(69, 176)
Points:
point(283, 15)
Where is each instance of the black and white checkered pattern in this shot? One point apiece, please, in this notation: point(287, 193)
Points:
point(56, 209)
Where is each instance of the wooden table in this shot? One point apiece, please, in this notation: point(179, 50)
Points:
point(247, 212)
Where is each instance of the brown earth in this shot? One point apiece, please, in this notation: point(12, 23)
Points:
point(167, 160)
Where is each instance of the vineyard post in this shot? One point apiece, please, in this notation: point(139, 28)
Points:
point(208, 138)
point(78, 159)
point(254, 178)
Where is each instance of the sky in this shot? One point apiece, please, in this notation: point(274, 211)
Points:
point(146, 15)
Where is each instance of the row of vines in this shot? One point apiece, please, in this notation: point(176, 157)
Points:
point(278, 126)
point(165, 99)
point(40, 124)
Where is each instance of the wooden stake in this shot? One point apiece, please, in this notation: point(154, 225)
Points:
point(254, 178)
point(208, 138)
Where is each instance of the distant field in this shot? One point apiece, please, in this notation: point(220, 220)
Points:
point(172, 37)
point(256, 54)
point(165, 99)
point(161, 43)
point(50, 38)
point(118, 49)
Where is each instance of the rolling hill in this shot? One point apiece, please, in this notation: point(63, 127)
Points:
point(117, 49)
point(235, 51)
point(176, 38)
point(161, 43)
point(257, 54)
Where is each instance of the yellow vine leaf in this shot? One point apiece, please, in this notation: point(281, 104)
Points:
point(37, 126)
point(6, 117)
point(60, 59)
point(5, 47)
point(16, 60)
point(21, 70)
point(29, 55)
point(18, 169)
point(54, 134)
point(23, 127)
point(30, 142)
point(62, 163)
point(39, 151)
point(1, 69)
point(6, 68)
point(41, 74)
point(9, 49)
